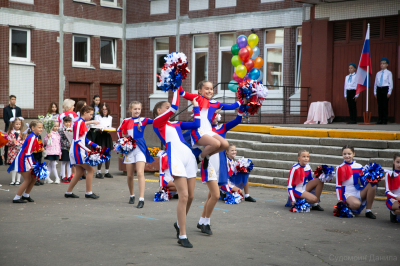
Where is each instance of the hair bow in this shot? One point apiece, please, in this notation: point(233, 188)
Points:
point(12, 119)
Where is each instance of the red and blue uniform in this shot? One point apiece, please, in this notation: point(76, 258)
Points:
point(392, 188)
point(165, 177)
point(299, 176)
point(78, 150)
point(23, 161)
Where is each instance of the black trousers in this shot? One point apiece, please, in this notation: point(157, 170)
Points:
point(383, 103)
point(352, 105)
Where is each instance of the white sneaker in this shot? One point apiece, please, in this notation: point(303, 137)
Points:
point(57, 181)
point(48, 180)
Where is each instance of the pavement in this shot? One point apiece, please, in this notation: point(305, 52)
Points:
point(58, 231)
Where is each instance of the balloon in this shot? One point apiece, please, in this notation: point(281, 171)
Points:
point(236, 61)
point(236, 78)
point(244, 54)
point(250, 50)
point(256, 52)
point(252, 40)
point(258, 62)
point(241, 71)
point(235, 49)
point(249, 64)
point(254, 74)
point(241, 41)
point(232, 85)
point(261, 76)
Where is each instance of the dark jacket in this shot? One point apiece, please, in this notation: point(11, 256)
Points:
point(7, 114)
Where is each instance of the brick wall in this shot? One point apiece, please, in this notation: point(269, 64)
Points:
point(289, 56)
point(138, 11)
point(4, 46)
point(41, 6)
point(95, 12)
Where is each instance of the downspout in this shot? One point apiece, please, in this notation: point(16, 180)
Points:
point(123, 85)
point(61, 77)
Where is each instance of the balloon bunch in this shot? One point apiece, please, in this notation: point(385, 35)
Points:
point(254, 92)
point(124, 145)
point(39, 170)
point(300, 206)
point(373, 173)
point(342, 210)
point(98, 156)
point(173, 72)
point(324, 173)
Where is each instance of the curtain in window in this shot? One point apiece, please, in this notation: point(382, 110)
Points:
point(80, 49)
point(107, 52)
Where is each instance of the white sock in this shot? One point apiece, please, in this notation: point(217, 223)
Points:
point(62, 174)
point(68, 193)
point(182, 237)
point(315, 204)
point(25, 195)
point(200, 158)
point(69, 173)
point(99, 171)
point(18, 177)
point(246, 195)
point(89, 193)
point(201, 221)
point(106, 171)
point(133, 195)
point(13, 174)
point(141, 199)
point(207, 221)
point(17, 197)
point(367, 210)
point(393, 212)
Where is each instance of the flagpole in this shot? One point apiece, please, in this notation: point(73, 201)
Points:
point(368, 76)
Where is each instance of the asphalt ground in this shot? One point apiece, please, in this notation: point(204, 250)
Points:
point(58, 231)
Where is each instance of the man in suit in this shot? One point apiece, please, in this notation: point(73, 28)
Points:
point(8, 112)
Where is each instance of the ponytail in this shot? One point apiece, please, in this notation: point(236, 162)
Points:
point(156, 107)
point(34, 123)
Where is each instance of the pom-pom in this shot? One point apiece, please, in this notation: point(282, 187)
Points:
point(161, 195)
point(372, 173)
point(300, 206)
point(242, 165)
point(173, 72)
point(324, 173)
point(342, 210)
point(233, 198)
point(124, 145)
point(254, 92)
point(98, 156)
point(40, 170)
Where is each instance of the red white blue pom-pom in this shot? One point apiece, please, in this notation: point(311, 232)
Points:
point(342, 210)
point(98, 156)
point(254, 92)
point(40, 170)
point(124, 145)
point(161, 195)
point(324, 173)
point(372, 173)
point(242, 165)
point(301, 206)
point(173, 72)
point(233, 198)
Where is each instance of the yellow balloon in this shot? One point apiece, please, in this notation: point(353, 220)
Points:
point(241, 71)
point(252, 40)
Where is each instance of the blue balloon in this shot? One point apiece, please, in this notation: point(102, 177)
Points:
point(261, 76)
point(254, 74)
point(256, 52)
point(232, 86)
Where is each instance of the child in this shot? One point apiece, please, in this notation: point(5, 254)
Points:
point(53, 110)
point(392, 189)
point(15, 140)
point(96, 107)
point(204, 136)
point(53, 151)
point(350, 86)
point(182, 165)
point(65, 146)
point(78, 153)
point(301, 182)
point(382, 90)
point(23, 163)
point(134, 127)
point(103, 138)
point(348, 188)
point(78, 107)
point(38, 155)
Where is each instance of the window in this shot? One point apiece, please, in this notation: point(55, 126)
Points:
point(81, 51)
point(109, 2)
point(23, 1)
point(20, 45)
point(107, 53)
point(225, 67)
point(299, 34)
point(200, 59)
point(161, 50)
point(159, 7)
point(224, 3)
point(273, 59)
point(198, 5)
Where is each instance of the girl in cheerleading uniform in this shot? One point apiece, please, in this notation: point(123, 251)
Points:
point(301, 182)
point(165, 179)
point(392, 189)
point(134, 127)
point(78, 153)
point(182, 166)
point(23, 162)
point(204, 136)
point(348, 188)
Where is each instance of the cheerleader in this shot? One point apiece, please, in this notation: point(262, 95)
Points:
point(103, 138)
point(15, 141)
point(23, 163)
point(348, 188)
point(165, 179)
point(78, 153)
point(204, 136)
point(392, 189)
point(182, 164)
point(301, 182)
point(134, 127)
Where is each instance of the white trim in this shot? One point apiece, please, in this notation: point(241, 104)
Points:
point(114, 3)
point(28, 46)
point(221, 49)
point(225, 3)
point(279, 92)
point(29, 2)
point(155, 78)
point(297, 66)
point(89, 2)
point(159, 7)
point(81, 64)
point(21, 63)
point(87, 67)
point(114, 54)
point(271, 1)
point(194, 51)
point(195, 5)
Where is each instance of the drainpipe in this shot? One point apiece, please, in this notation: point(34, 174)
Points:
point(178, 14)
point(61, 77)
point(123, 85)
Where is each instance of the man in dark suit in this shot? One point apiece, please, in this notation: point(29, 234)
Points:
point(8, 112)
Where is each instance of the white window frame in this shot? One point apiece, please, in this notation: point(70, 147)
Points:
point(155, 79)
point(80, 64)
point(279, 92)
point(28, 46)
point(106, 3)
point(194, 51)
point(223, 49)
point(114, 48)
point(298, 58)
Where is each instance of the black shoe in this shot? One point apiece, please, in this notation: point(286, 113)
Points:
point(249, 199)
point(177, 230)
point(199, 226)
point(205, 163)
point(19, 201)
point(108, 175)
point(37, 183)
point(379, 122)
point(132, 200)
point(41, 183)
point(222, 194)
point(140, 204)
point(370, 215)
point(393, 217)
point(29, 199)
point(206, 229)
point(317, 208)
point(176, 196)
point(99, 176)
point(198, 160)
point(71, 196)
point(185, 243)
point(83, 177)
point(91, 196)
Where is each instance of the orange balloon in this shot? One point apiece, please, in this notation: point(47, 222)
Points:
point(258, 62)
point(250, 50)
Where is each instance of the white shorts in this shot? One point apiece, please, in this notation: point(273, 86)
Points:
point(200, 132)
point(212, 169)
point(134, 156)
point(351, 191)
point(183, 162)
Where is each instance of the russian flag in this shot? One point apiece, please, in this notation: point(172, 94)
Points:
point(365, 61)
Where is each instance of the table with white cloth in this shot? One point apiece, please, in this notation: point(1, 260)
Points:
point(320, 113)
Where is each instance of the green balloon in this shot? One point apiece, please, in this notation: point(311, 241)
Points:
point(236, 61)
point(235, 49)
point(232, 85)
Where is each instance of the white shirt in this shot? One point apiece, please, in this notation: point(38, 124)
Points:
point(350, 85)
point(386, 82)
point(105, 121)
point(13, 112)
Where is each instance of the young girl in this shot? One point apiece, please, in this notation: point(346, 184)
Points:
point(96, 107)
point(78, 107)
point(23, 163)
point(134, 127)
point(182, 166)
point(78, 153)
point(65, 146)
point(53, 110)
point(103, 138)
point(301, 182)
point(204, 136)
point(392, 189)
point(348, 188)
point(37, 156)
point(53, 152)
point(15, 140)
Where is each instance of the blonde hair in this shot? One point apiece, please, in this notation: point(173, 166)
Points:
point(11, 127)
point(34, 123)
point(131, 104)
point(230, 146)
point(68, 104)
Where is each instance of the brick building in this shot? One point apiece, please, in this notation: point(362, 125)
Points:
point(56, 49)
